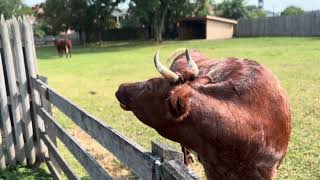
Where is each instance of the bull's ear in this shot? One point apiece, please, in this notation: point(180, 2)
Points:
point(179, 105)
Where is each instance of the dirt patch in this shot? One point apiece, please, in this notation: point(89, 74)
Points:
point(113, 166)
point(104, 157)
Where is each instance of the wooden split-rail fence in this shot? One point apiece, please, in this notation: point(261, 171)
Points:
point(28, 130)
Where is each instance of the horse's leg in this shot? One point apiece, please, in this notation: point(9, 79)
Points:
point(70, 52)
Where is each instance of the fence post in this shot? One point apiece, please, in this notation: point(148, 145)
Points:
point(49, 130)
point(7, 136)
point(172, 166)
point(23, 87)
point(32, 74)
point(13, 92)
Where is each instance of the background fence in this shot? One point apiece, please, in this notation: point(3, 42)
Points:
point(28, 130)
point(120, 34)
point(300, 25)
point(48, 40)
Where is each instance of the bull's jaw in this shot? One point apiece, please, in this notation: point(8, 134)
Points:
point(124, 107)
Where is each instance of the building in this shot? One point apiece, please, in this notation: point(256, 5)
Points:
point(118, 15)
point(260, 4)
point(206, 27)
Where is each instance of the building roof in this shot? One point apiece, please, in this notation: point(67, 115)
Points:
point(215, 18)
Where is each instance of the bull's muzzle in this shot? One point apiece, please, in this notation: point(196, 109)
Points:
point(123, 97)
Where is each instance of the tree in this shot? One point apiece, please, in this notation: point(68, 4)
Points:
point(101, 14)
point(202, 7)
point(159, 14)
point(292, 10)
point(254, 12)
point(81, 15)
point(150, 13)
point(57, 15)
point(232, 9)
point(13, 8)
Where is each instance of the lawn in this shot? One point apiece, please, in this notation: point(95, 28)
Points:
point(93, 75)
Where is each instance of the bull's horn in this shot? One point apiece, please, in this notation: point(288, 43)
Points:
point(165, 72)
point(191, 64)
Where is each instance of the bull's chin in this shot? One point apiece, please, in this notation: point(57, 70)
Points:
point(124, 107)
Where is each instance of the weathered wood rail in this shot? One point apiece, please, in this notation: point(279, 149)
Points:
point(143, 163)
point(29, 131)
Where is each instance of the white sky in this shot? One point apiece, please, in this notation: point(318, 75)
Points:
point(272, 5)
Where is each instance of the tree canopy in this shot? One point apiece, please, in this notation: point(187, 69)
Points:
point(161, 13)
point(13, 8)
point(81, 15)
point(292, 10)
point(254, 12)
point(232, 9)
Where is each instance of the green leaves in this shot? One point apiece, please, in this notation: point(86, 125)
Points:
point(81, 15)
point(232, 9)
point(13, 8)
point(291, 11)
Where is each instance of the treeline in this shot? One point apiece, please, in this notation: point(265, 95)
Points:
point(96, 16)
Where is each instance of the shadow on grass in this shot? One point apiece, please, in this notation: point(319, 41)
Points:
point(50, 53)
point(24, 173)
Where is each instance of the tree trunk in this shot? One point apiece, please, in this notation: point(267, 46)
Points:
point(159, 23)
point(156, 29)
point(162, 22)
point(100, 36)
point(81, 36)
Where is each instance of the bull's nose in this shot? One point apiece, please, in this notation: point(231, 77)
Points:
point(122, 97)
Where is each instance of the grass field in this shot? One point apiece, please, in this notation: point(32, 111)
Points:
point(92, 76)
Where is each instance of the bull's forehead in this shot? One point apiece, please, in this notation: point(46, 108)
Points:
point(156, 82)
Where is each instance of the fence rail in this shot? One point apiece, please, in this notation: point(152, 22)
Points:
point(28, 131)
point(300, 25)
point(138, 159)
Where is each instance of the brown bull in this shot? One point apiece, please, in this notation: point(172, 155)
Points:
point(233, 113)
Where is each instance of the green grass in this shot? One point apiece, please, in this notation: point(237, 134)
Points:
point(296, 61)
point(22, 173)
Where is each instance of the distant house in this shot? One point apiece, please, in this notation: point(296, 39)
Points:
point(119, 14)
point(270, 13)
point(206, 27)
point(39, 10)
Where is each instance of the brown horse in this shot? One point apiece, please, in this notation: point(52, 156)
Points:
point(63, 46)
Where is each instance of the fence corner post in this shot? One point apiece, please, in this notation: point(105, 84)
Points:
point(49, 130)
point(172, 166)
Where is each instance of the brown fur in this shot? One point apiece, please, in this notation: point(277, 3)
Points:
point(234, 114)
point(63, 46)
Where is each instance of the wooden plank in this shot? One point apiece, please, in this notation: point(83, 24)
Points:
point(172, 166)
point(175, 169)
point(13, 92)
point(32, 73)
point(127, 151)
point(2, 155)
point(317, 25)
point(88, 162)
point(58, 157)
point(298, 25)
point(33, 45)
point(5, 120)
point(49, 130)
point(23, 89)
point(54, 172)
